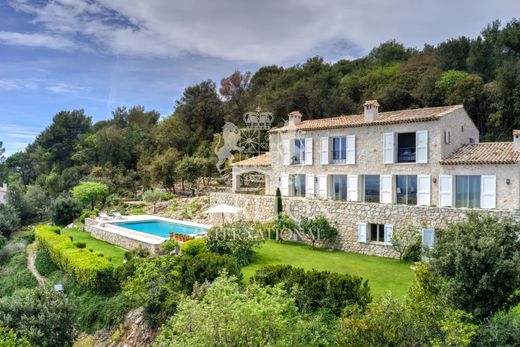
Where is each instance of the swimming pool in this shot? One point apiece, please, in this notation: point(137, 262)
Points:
point(161, 228)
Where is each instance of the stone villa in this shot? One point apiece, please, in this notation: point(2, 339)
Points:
point(378, 171)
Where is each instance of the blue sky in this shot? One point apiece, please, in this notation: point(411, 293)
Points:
point(99, 54)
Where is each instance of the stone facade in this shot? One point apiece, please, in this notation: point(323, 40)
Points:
point(346, 216)
point(97, 231)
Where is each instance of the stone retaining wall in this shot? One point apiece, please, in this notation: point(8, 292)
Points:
point(346, 216)
point(125, 242)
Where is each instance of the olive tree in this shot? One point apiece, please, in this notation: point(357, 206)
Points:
point(152, 196)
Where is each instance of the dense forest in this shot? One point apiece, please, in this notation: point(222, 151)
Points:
point(136, 149)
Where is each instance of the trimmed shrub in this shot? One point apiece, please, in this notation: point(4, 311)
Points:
point(80, 244)
point(88, 269)
point(194, 247)
point(87, 214)
point(413, 252)
point(44, 263)
point(315, 290)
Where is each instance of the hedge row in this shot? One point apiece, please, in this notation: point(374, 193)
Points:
point(87, 268)
point(315, 290)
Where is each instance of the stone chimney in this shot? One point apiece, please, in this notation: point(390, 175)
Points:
point(295, 118)
point(371, 110)
point(516, 140)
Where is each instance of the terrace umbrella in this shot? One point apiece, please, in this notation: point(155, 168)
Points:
point(222, 209)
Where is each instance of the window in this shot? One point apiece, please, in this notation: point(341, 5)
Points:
point(371, 188)
point(339, 187)
point(406, 189)
point(467, 191)
point(298, 156)
point(339, 149)
point(406, 148)
point(377, 232)
point(298, 185)
point(447, 137)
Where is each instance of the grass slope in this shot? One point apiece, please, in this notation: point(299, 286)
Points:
point(109, 250)
point(383, 274)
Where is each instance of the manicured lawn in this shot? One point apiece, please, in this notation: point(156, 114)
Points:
point(109, 250)
point(383, 274)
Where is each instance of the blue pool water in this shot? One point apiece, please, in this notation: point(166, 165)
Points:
point(160, 228)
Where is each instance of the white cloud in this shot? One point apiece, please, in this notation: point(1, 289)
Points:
point(8, 85)
point(62, 87)
point(37, 40)
point(270, 31)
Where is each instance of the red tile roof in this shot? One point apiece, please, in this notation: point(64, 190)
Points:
point(486, 153)
point(385, 118)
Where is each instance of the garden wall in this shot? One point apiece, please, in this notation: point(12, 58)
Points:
point(346, 216)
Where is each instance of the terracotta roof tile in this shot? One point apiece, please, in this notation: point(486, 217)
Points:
point(385, 118)
point(261, 160)
point(486, 153)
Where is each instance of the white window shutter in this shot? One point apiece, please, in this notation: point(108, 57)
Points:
point(362, 232)
point(488, 191)
point(322, 186)
point(445, 190)
point(386, 189)
point(352, 187)
point(308, 151)
point(324, 150)
point(284, 184)
point(388, 147)
point(428, 237)
point(351, 149)
point(309, 185)
point(421, 146)
point(389, 229)
point(286, 152)
point(423, 190)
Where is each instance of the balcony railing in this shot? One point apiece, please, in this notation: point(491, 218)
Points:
point(406, 155)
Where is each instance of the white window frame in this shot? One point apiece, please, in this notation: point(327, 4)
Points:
point(324, 150)
point(488, 191)
point(308, 151)
point(421, 146)
point(389, 148)
point(445, 191)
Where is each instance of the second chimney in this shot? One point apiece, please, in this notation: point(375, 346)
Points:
point(371, 110)
point(516, 140)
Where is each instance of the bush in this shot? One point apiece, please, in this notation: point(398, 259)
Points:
point(205, 267)
point(236, 239)
point(10, 249)
point(43, 316)
point(80, 244)
point(194, 247)
point(8, 338)
point(96, 311)
point(315, 290)
point(44, 263)
point(318, 229)
point(3, 241)
point(64, 210)
point(502, 330)
point(479, 261)
point(413, 252)
point(169, 246)
point(225, 315)
point(9, 220)
point(87, 268)
point(17, 275)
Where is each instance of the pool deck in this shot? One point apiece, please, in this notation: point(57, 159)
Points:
point(107, 230)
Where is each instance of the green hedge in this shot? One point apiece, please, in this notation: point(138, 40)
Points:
point(87, 268)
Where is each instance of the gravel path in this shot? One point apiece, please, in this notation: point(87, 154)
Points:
point(31, 257)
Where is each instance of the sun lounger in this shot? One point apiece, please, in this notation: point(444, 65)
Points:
point(103, 215)
point(118, 215)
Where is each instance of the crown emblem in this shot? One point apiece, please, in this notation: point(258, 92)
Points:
point(258, 120)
